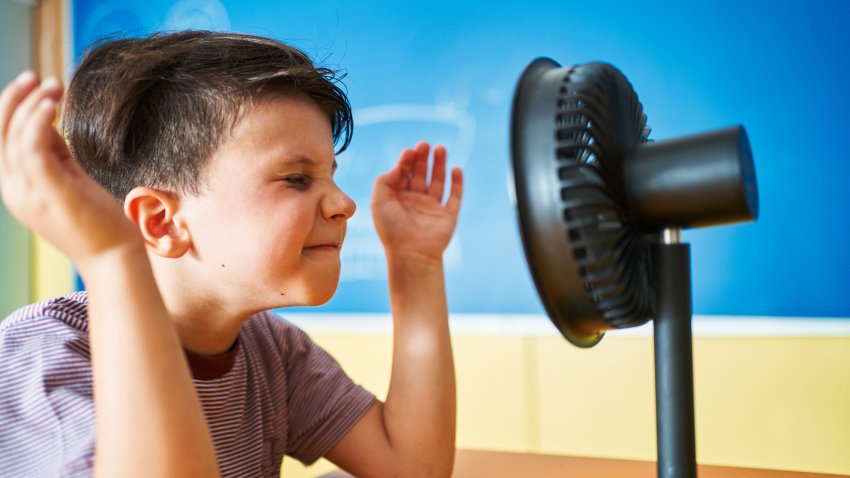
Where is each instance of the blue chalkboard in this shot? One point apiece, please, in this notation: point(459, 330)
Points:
point(445, 71)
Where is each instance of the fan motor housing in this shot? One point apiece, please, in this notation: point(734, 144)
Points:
point(694, 181)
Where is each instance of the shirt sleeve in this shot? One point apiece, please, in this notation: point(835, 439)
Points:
point(46, 403)
point(324, 403)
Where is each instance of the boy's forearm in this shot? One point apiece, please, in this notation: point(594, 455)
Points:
point(421, 406)
point(149, 419)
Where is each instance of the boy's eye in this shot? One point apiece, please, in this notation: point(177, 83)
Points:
point(297, 179)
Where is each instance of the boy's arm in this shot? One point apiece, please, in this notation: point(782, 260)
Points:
point(413, 433)
point(149, 419)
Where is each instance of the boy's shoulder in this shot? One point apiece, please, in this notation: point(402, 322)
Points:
point(47, 388)
point(55, 330)
point(69, 312)
point(276, 332)
point(65, 320)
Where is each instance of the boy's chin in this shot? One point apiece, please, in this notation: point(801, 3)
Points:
point(315, 302)
point(313, 299)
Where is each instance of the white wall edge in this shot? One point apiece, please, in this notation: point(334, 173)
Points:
point(539, 325)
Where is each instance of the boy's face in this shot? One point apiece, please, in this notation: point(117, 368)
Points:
point(268, 225)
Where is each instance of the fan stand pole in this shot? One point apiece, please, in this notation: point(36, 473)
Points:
point(674, 376)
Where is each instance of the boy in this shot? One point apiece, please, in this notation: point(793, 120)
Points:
point(219, 149)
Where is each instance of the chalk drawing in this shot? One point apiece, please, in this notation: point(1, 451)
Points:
point(381, 133)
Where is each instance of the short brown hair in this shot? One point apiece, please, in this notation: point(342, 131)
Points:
point(151, 111)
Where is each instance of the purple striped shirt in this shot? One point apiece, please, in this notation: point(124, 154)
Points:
point(274, 393)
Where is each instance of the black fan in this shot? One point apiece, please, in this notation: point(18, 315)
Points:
point(600, 210)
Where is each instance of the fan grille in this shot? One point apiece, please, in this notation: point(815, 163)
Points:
point(598, 118)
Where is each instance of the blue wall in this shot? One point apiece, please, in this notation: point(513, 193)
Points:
point(446, 73)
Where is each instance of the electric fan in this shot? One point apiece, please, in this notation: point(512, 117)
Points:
point(600, 211)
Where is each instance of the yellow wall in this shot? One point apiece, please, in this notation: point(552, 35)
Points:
point(761, 402)
point(52, 272)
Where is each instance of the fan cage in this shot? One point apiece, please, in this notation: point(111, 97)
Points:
point(598, 118)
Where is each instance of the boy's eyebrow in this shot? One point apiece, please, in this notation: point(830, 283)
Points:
point(302, 160)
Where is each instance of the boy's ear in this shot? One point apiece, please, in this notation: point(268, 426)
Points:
point(155, 213)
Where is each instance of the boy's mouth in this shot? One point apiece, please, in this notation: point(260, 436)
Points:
point(327, 246)
point(331, 242)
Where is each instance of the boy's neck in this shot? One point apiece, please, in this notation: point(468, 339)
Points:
point(205, 325)
point(198, 337)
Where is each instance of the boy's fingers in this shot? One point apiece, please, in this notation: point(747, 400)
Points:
point(37, 146)
point(419, 180)
point(13, 94)
point(438, 174)
point(392, 177)
point(405, 168)
point(49, 88)
point(10, 98)
point(456, 193)
point(53, 88)
point(40, 127)
point(396, 179)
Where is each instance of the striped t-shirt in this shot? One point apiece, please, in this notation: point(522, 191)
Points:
point(274, 393)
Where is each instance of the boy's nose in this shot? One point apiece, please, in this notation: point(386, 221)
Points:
point(338, 206)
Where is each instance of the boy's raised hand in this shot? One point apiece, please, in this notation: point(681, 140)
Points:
point(413, 432)
point(409, 213)
point(42, 185)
